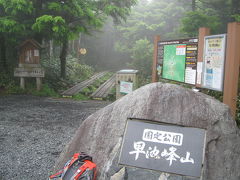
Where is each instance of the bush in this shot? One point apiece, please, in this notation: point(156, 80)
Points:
point(80, 97)
point(45, 91)
point(75, 72)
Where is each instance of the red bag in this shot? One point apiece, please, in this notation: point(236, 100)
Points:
point(80, 167)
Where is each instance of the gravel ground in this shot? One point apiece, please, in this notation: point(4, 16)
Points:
point(34, 130)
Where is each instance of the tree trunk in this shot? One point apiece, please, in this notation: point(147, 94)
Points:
point(78, 45)
point(63, 57)
point(39, 7)
point(235, 7)
point(3, 58)
point(51, 48)
point(193, 5)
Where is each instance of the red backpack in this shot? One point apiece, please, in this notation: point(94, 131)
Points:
point(80, 167)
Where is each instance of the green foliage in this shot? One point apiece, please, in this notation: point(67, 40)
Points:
point(215, 14)
point(77, 71)
point(5, 80)
point(112, 94)
point(236, 17)
point(51, 27)
point(66, 19)
point(80, 97)
point(194, 20)
point(14, 7)
point(9, 25)
point(141, 53)
point(217, 95)
point(45, 91)
point(9, 86)
point(148, 18)
point(13, 15)
point(55, 20)
point(238, 112)
point(54, 6)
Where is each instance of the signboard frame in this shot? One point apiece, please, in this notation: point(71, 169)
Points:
point(160, 58)
point(155, 163)
point(223, 61)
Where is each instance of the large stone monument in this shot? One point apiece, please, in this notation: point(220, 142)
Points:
point(102, 134)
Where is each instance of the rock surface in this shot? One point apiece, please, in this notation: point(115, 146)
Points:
point(101, 134)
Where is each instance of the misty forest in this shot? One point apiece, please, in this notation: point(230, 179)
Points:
point(115, 34)
point(119, 89)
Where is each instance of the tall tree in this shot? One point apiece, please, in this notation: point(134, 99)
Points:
point(193, 5)
point(12, 25)
point(60, 20)
point(66, 19)
point(148, 19)
point(212, 13)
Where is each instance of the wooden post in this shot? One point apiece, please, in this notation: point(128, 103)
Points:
point(22, 82)
point(203, 31)
point(154, 65)
point(39, 83)
point(232, 66)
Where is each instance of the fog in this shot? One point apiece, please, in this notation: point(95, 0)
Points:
point(111, 47)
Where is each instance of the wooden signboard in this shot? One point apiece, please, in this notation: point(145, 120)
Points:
point(29, 63)
point(29, 72)
point(29, 52)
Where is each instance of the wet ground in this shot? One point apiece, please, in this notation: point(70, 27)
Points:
point(34, 130)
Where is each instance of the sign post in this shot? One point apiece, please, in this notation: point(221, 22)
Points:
point(201, 34)
point(155, 57)
point(232, 67)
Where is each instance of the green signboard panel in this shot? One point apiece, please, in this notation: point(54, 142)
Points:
point(174, 62)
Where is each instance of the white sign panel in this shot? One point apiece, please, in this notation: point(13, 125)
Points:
point(199, 72)
point(190, 76)
point(126, 87)
point(36, 52)
point(29, 72)
point(214, 60)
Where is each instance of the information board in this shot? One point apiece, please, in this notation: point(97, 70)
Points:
point(191, 64)
point(171, 54)
point(174, 62)
point(163, 147)
point(213, 62)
